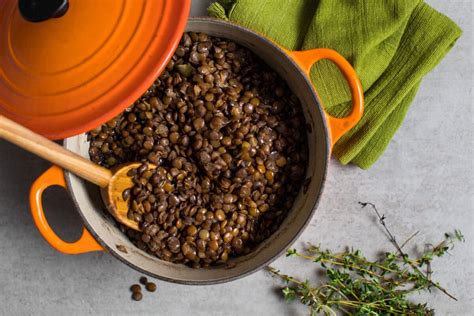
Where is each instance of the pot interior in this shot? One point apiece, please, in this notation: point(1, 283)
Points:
point(105, 230)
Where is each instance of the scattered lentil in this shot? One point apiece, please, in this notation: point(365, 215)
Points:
point(137, 296)
point(135, 288)
point(151, 287)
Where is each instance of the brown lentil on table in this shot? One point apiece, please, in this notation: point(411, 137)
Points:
point(143, 280)
point(229, 140)
point(150, 287)
point(136, 288)
point(137, 296)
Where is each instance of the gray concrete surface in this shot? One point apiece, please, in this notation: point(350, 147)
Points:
point(423, 182)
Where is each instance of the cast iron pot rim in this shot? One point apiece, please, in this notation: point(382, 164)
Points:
point(114, 252)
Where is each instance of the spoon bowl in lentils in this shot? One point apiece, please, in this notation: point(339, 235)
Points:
point(228, 139)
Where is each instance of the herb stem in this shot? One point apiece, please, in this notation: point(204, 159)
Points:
point(400, 251)
point(338, 263)
point(409, 238)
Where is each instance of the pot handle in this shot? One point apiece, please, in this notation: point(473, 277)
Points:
point(337, 126)
point(55, 176)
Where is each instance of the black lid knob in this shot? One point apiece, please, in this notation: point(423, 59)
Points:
point(40, 10)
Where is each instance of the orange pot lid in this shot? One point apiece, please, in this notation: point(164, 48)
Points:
point(67, 75)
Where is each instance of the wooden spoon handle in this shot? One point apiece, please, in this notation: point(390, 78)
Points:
point(39, 145)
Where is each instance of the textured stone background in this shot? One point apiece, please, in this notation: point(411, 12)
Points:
point(423, 182)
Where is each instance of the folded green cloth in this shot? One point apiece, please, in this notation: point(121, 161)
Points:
point(392, 44)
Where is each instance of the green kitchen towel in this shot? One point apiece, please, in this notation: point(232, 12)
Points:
point(392, 45)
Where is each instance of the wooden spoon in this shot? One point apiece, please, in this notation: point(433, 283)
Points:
point(112, 183)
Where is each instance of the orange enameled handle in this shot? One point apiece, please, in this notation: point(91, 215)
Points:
point(55, 176)
point(337, 126)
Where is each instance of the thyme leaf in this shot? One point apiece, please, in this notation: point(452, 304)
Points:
point(355, 285)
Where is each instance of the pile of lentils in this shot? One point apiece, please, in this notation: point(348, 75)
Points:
point(229, 141)
point(137, 289)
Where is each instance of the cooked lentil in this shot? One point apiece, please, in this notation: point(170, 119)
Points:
point(229, 141)
point(143, 280)
point(136, 288)
point(151, 287)
point(137, 296)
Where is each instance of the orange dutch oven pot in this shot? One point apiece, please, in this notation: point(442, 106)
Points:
point(101, 233)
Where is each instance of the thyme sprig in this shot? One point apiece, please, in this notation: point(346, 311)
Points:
point(356, 285)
